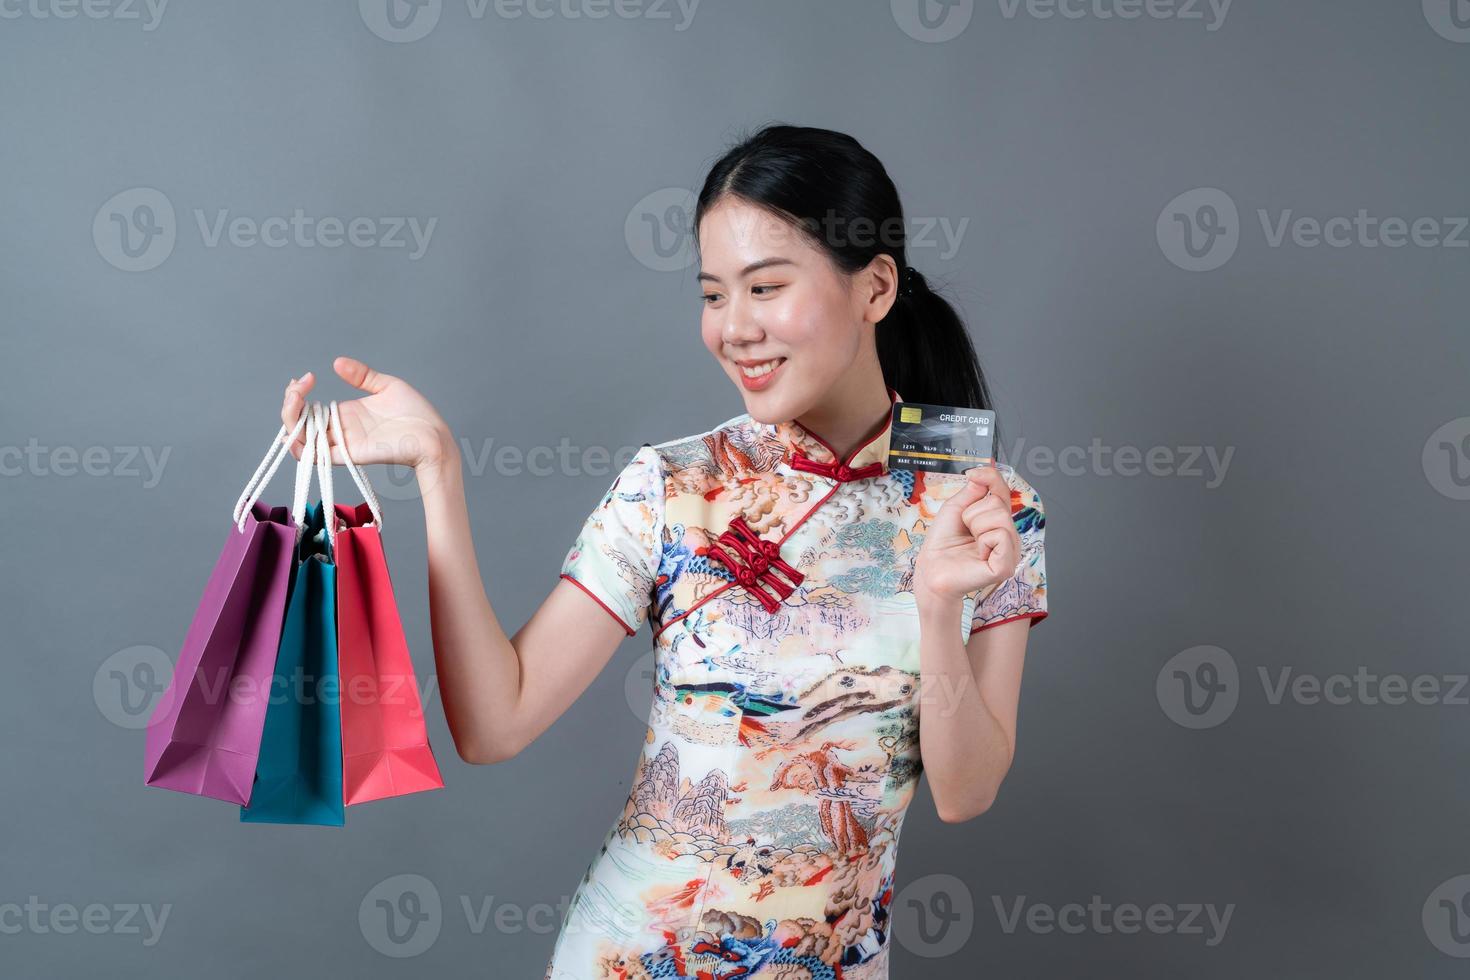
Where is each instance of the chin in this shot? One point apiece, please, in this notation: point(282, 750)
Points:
point(763, 407)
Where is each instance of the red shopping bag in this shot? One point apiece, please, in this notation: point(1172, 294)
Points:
point(385, 744)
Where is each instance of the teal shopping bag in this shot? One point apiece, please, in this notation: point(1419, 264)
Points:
point(298, 779)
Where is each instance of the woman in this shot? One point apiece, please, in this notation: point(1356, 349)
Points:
point(805, 600)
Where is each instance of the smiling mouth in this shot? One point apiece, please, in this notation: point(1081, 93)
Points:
point(761, 368)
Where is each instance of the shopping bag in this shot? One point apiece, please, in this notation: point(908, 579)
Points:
point(385, 744)
point(298, 778)
point(204, 734)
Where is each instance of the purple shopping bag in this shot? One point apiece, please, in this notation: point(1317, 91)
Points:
point(204, 735)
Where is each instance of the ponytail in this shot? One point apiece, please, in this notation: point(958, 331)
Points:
point(926, 352)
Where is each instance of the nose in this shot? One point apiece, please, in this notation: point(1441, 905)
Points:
point(739, 328)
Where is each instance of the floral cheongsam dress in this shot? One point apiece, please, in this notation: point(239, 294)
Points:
point(783, 745)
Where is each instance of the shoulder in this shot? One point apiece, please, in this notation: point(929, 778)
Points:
point(737, 445)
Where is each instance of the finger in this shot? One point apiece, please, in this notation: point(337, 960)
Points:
point(334, 444)
point(987, 513)
point(334, 448)
point(998, 548)
point(991, 478)
point(951, 516)
point(360, 376)
point(295, 398)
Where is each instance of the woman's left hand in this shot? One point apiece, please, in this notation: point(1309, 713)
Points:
point(972, 543)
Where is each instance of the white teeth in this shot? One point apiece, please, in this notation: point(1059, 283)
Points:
point(760, 369)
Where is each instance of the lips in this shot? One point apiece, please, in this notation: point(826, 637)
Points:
point(756, 375)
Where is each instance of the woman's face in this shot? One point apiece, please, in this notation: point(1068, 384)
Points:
point(782, 321)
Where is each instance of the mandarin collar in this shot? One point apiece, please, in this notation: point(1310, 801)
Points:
point(797, 439)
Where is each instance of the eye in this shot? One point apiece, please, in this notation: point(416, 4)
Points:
point(762, 290)
point(710, 298)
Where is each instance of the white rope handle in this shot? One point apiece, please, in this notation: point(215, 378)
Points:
point(304, 468)
point(324, 473)
point(274, 456)
point(358, 476)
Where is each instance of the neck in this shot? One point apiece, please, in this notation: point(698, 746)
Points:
point(851, 414)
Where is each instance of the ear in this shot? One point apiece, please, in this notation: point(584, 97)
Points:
point(878, 288)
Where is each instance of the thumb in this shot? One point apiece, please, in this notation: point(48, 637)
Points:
point(360, 376)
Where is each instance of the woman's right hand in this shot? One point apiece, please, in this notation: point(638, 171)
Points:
point(393, 424)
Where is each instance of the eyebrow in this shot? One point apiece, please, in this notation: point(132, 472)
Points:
point(753, 267)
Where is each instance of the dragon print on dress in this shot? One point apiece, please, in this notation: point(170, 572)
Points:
point(760, 834)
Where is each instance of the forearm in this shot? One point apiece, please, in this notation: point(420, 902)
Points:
point(478, 667)
point(964, 748)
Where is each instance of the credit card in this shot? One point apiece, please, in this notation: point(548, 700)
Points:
point(941, 438)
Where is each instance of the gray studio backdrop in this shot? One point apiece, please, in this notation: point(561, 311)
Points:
point(1215, 260)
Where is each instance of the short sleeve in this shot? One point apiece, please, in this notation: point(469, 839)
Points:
point(1023, 595)
point(616, 556)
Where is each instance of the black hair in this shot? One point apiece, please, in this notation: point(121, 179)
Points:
point(826, 183)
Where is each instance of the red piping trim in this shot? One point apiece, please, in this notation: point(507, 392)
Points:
point(1035, 618)
point(631, 631)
